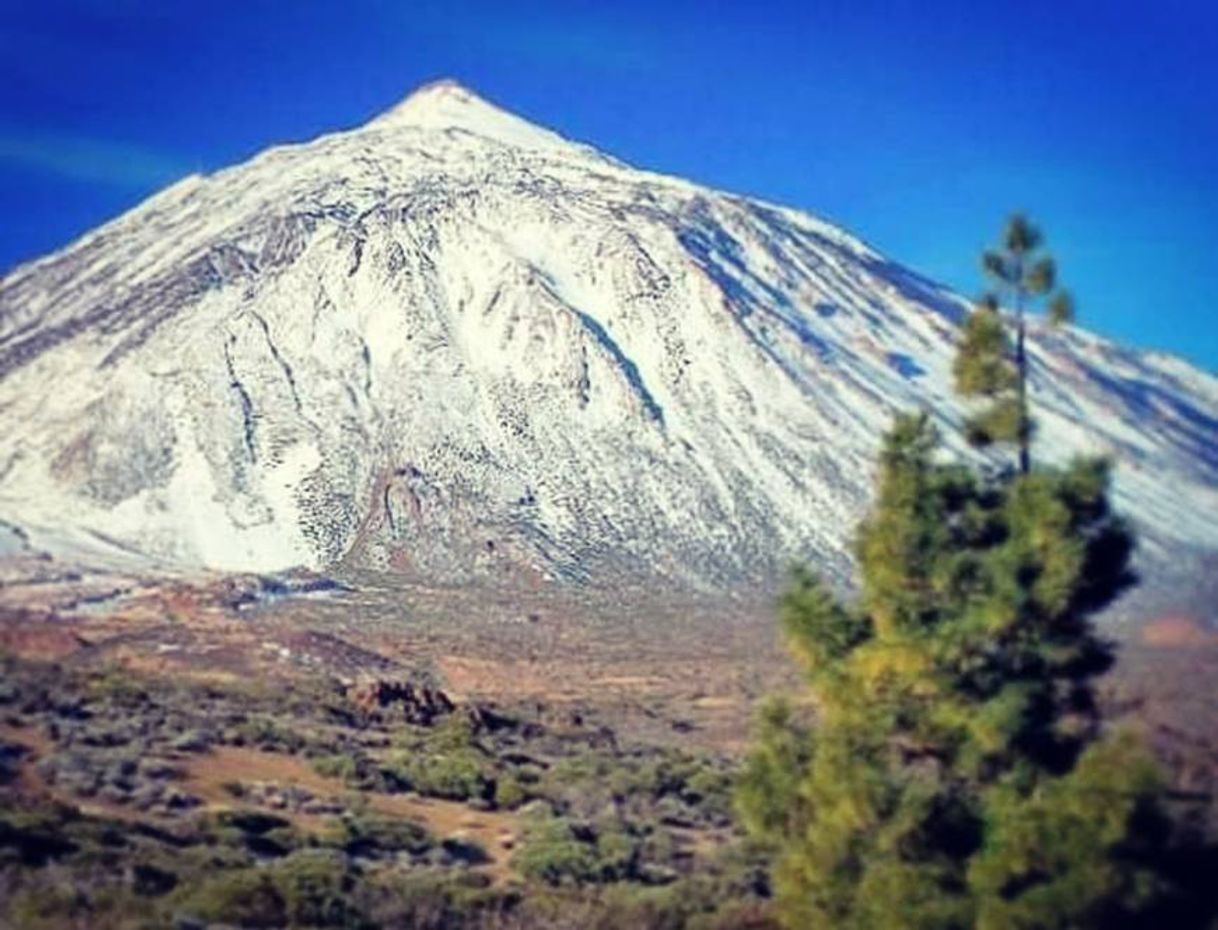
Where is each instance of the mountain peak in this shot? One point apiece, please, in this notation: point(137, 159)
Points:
point(445, 92)
point(447, 104)
point(441, 344)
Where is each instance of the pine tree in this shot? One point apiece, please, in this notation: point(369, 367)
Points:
point(957, 775)
point(1023, 275)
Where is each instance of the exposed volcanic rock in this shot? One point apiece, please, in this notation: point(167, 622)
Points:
point(415, 704)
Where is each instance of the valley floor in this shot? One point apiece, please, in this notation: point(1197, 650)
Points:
point(295, 751)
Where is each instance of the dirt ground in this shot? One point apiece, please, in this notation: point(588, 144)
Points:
point(687, 672)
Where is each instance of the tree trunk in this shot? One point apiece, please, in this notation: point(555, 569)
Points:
point(1021, 365)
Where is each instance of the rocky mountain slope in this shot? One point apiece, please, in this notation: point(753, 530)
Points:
point(453, 344)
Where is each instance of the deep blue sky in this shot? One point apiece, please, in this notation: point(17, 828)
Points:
point(917, 125)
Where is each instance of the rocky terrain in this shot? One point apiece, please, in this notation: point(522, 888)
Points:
point(277, 751)
point(451, 345)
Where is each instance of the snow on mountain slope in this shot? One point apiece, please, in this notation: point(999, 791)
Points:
point(452, 343)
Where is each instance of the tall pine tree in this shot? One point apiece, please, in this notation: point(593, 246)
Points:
point(958, 775)
point(992, 365)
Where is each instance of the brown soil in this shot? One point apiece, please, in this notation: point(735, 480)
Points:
point(1177, 632)
point(40, 641)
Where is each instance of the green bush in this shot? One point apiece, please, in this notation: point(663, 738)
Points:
point(699, 788)
point(269, 734)
point(247, 898)
point(255, 822)
point(34, 838)
point(340, 766)
point(315, 888)
point(509, 792)
point(616, 852)
point(306, 890)
point(432, 901)
point(575, 770)
point(456, 775)
point(371, 835)
point(259, 832)
point(47, 907)
point(554, 854)
point(710, 789)
point(559, 852)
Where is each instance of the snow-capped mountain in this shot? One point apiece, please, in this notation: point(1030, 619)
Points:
point(452, 343)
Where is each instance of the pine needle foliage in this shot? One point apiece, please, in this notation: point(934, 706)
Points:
point(958, 776)
point(990, 364)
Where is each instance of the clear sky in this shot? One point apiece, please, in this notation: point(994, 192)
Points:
point(917, 125)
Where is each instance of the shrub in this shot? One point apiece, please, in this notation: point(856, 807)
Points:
point(509, 792)
point(50, 907)
point(371, 836)
point(616, 852)
point(315, 887)
point(250, 821)
point(268, 734)
point(340, 766)
point(433, 901)
point(559, 852)
point(456, 775)
point(247, 898)
point(33, 838)
point(308, 890)
point(553, 853)
point(261, 833)
point(711, 790)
